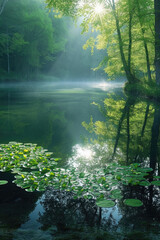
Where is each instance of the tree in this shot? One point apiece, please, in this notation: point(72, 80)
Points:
point(157, 40)
point(2, 5)
point(127, 129)
point(28, 38)
point(125, 30)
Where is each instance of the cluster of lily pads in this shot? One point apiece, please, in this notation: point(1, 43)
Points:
point(35, 168)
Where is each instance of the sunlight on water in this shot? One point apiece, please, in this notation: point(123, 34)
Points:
point(82, 155)
point(90, 156)
point(84, 152)
point(73, 86)
point(104, 86)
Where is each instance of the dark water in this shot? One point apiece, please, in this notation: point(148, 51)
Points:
point(51, 116)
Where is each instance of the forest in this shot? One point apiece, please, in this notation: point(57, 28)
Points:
point(127, 30)
point(32, 39)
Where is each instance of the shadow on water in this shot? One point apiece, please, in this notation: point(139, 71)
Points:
point(15, 206)
point(127, 132)
point(67, 218)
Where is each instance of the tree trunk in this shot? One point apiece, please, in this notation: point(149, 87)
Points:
point(119, 130)
point(128, 135)
point(2, 5)
point(145, 120)
point(154, 138)
point(130, 36)
point(8, 54)
point(145, 43)
point(129, 75)
point(157, 40)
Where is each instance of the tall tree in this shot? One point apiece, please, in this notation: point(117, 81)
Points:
point(157, 40)
point(29, 38)
point(2, 5)
point(125, 31)
point(154, 138)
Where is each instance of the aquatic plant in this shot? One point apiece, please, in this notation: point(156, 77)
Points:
point(3, 182)
point(133, 202)
point(105, 203)
point(35, 168)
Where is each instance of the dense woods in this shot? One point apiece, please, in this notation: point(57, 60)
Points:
point(35, 43)
point(30, 38)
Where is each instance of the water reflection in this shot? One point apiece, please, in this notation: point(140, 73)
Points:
point(15, 207)
point(89, 156)
point(49, 114)
point(74, 218)
point(105, 86)
point(131, 128)
point(69, 218)
point(127, 132)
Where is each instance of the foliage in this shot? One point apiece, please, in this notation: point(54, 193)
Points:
point(126, 122)
point(105, 203)
point(125, 31)
point(133, 202)
point(29, 38)
point(34, 168)
point(3, 182)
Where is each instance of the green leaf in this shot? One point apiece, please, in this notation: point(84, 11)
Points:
point(144, 183)
point(156, 183)
point(116, 194)
point(3, 182)
point(133, 202)
point(81, 175)
point(157, 177)
point(105, 203)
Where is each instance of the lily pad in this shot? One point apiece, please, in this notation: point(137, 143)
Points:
point(105, 203)
point(156, 183)
point(116, 194)
point(133, 202)
point(3, 182)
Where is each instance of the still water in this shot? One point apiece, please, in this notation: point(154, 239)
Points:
point(50, 115)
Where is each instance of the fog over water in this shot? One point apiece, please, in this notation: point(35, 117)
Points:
point(102, 84)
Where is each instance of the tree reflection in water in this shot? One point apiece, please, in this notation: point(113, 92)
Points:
point(15, 207)
point(69, 218)
point(74, 217)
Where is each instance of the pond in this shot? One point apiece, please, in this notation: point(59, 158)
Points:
point(51, 115)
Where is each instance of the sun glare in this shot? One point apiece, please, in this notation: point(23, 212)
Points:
point(96, 8)
point(81, 4)
point(99, 9)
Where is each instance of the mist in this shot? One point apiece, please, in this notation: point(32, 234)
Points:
point(75, 63)
point(36, 46)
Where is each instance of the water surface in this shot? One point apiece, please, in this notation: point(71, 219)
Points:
point(50, 114)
